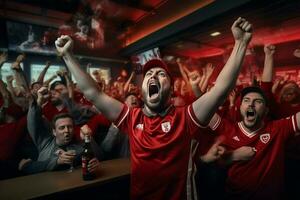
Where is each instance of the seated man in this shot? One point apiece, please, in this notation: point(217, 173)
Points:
point(54, 149)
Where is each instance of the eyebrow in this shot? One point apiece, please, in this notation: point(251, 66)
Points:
point(262, 99)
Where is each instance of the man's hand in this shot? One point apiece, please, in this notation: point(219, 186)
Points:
point(297, 52)
point(232, 98)
point(64, 45)
point(93, 165)
point(194, 78)
point(243, 153)
point(85, 130)
point(42, 95)
point(48, 63)
point(209, 69)
point(242, 30)
point(3, 57)
point(16, 64)
point(269, 50)
point(215, 152)
point(22, 163)
point(65, 157)
point(20, 58)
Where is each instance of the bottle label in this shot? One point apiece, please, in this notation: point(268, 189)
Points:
point(84, 166)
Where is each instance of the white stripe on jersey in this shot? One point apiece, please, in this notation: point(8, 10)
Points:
point(191, 188)
point(194, 120)
point(123, 117)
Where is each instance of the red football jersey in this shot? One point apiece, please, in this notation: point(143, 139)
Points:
point(10, 135)
point(262, 176)
point(49, 111)
point(160, 151)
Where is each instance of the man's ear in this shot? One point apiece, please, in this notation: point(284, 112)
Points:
point(54, 132)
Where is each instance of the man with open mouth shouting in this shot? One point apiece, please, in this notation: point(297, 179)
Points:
point(259, 176)
point(160, 134)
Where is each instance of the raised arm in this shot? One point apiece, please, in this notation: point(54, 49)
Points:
point(6, 102)
point(3, 58)
point(182, 69)
point(11, 89)
point(267, 75)
point(209, 69)
point(43, 73)
point(110, 107)
point(38, 128)
point(205, 106)
point(126, 85)
point(70, 84)
point(194, 80)
point(19, 75)
point(49, 80)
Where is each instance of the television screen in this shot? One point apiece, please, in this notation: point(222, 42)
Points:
point(36, 69)
point(139, 60)
point(30, 38)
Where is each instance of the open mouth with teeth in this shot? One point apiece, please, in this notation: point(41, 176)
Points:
point(251, 115)
point(153, 91)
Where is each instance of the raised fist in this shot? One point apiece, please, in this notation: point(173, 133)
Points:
point(20, 58)
point(42, 95)
point(64, 44)
point(242, 30)
point(85, 130)
point(269, 49)
point(3, 57)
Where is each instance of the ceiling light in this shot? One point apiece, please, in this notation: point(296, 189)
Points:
point(214, 34)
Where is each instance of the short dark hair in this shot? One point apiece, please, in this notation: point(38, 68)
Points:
point(255, 90)
point(60, 116)
point(55, 83)
point(130, 93)
point(34, 83)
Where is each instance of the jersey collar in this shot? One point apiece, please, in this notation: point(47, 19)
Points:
point(161, 114)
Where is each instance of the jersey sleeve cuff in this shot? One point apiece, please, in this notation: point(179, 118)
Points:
point(122, 115)
point(193, 117)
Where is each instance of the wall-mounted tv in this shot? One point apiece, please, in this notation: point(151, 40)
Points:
point(140, 59)
point(30, 38)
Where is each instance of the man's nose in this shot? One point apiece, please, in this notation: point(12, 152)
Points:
point(251, 104)
point(67, 129)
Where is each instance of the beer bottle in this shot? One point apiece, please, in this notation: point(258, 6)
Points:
point(87, 155)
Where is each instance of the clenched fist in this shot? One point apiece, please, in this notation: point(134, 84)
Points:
point(64, 45)
point(242, 30)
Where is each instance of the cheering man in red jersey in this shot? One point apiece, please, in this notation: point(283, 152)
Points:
point(159, 133)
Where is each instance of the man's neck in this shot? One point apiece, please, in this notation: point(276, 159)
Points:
point(150, 113)
point(254, 128)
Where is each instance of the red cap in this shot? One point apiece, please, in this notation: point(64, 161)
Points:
point(155, 63)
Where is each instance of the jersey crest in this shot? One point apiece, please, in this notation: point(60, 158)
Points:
point(140, 127)
point(265, 138)
point(166, 127)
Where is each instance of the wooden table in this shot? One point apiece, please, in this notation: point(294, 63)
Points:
point(60, 183)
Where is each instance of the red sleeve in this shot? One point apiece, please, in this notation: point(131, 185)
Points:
point(288, 126)
point(96, 121)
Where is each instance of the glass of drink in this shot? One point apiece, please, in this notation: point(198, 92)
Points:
point(71, 151)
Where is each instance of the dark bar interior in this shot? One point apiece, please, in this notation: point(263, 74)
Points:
point(149, 99)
